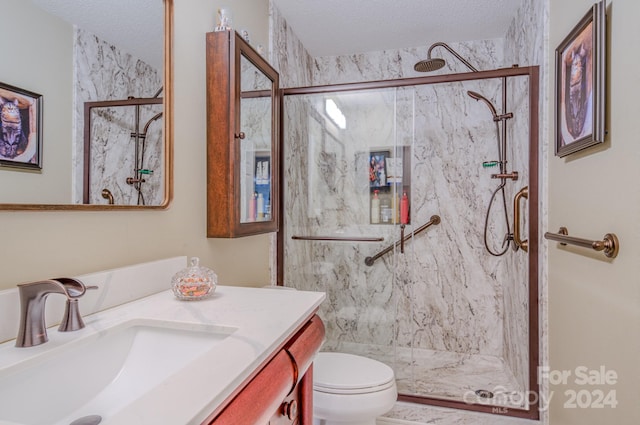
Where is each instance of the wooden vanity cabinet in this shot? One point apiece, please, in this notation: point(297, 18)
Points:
point(280, 392)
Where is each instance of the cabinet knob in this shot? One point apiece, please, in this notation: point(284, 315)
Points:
point(290, 409)
point(240, 135)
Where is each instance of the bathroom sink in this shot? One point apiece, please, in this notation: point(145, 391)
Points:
point(98, 375)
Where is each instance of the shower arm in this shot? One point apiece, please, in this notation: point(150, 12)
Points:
point(454, 53)
point(435, 219)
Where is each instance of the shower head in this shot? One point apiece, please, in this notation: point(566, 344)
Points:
point(429, 65)
point(432, 64)
point(478, 96)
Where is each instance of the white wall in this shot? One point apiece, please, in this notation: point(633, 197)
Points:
point(37, 245)
point(37, 55)
point(594, 303)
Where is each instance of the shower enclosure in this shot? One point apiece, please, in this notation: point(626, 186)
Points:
point(123, 152)
point(367, 165)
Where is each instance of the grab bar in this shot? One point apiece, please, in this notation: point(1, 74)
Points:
point(338, 238)
point(435, 219)
point(519, 243)
point(610, 244)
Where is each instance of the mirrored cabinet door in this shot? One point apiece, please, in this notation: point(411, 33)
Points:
point(242, 139)
point(255, 147)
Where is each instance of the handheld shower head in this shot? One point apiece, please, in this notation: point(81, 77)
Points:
point(478, 96)
point(432, 64)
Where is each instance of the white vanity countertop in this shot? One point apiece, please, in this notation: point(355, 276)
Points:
point(264, 319)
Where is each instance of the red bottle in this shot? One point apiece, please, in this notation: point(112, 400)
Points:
point(404, 209)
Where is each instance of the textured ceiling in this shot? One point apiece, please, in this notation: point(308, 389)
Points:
point(325, 27)
point(338, 27)
point(135, 26)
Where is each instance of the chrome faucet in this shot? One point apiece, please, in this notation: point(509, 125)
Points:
point(33, 296)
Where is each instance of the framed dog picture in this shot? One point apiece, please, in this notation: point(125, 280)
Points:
point(580, 84)
point(20, 128)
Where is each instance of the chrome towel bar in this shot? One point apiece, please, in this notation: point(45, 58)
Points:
point(610, 244)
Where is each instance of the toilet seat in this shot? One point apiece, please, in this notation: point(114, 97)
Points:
point(341, 373)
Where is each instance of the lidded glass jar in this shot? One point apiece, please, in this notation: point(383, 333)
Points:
point(194, 282)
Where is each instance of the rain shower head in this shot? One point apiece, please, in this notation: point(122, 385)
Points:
point(478, 96)
point(429, 65)
point(432, 64)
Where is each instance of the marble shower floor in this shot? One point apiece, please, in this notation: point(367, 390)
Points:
point(414, 414)
point(445, 375)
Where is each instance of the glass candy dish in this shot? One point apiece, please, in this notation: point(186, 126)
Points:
point(194, 282)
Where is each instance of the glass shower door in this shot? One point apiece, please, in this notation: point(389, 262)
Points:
point(347, 164)
point(448, 317)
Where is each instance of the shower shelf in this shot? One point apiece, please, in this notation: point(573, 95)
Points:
point(338, 238)
point(435, 219)
point(609, 244)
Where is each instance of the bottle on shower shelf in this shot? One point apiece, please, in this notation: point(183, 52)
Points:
point(404, 209)
point(375, 208)
point(386, 212)
point(396, 208)
point(253, 206)
point(260, 206)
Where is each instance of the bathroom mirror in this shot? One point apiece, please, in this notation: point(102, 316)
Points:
point(256, 145)
point(104, 74)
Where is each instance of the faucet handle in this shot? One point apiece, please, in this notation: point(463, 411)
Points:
point(73, 287)
point(72, 319)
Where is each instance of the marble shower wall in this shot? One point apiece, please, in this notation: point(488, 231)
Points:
point(103, 72)
point(284, 46)
point(525, 44)
point(445, 292)
point(288, 55)
point(394, 64)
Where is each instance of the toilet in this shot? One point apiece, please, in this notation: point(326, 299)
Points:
point(350, 389)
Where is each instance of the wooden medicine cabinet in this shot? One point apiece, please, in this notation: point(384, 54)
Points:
point(242, 139)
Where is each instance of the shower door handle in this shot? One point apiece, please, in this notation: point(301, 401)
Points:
point(524, 193)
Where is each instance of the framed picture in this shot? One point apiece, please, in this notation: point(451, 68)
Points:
point(20, 128)
point(378, 169)
point(580, 84)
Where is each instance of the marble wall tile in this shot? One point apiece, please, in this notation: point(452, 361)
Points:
point(394, 64)
point(103, 72)
point(288, 55)
point(526, 44)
